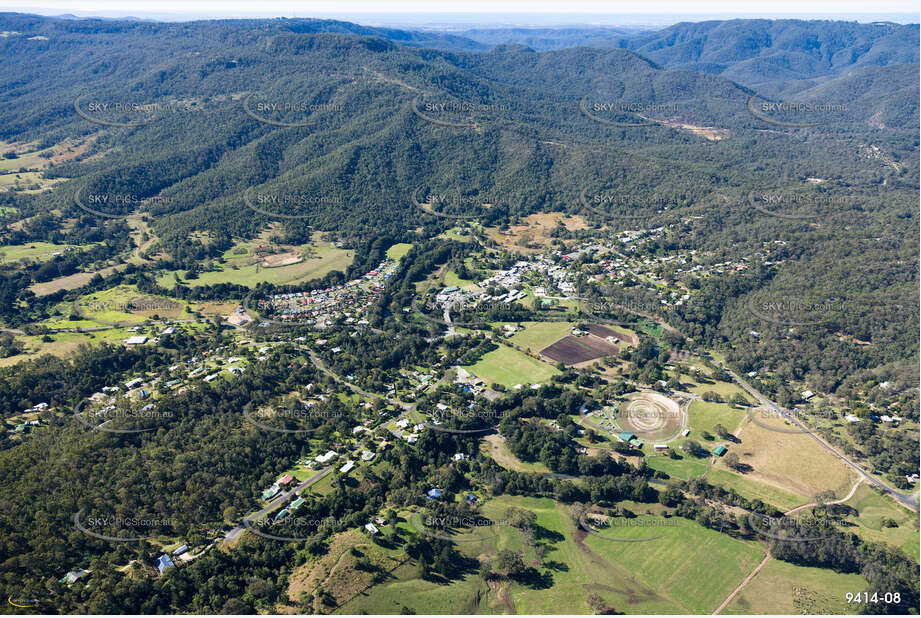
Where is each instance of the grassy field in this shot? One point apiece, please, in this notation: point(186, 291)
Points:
point(784, 588)
point(62, 344)
point(397, 251)
point(538, 335)
point(107, 306)
point(793, 462)
point(451, 278)
point(68, 282)
point(36, 251)
point(687, 468)
point(242, 269)
point(659, 576)
point(873, 509)
point(494, 446)
point(704, 415)
point(723, 389)
point(511, 367)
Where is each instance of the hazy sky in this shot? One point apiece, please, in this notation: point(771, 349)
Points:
point(305, 8)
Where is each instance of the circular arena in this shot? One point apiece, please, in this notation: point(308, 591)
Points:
point(651, 416)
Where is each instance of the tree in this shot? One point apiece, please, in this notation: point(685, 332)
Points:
point(510, 562)
point(732, 460)
point(739, 399)
point(691, 447)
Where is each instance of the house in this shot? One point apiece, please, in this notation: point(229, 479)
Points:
point(850, 418)
point(132, 384)
point(434, 493)
point(661, 447)
point(458, 456)
point(136, 340)
point(470, 498)
point(163, 563)
point(327, 457)
point(73, 576)
point(281, 514)
point(686, 433)
point(296, 504)
point(212, 377)
point(807, 395)
point(636, 443)
point(286, 479)
point(180, 550)
point(348, 467)
point(371, 528)
point(403, 423)
point(269, 493)
point(720, 450)
point(171, 330)
point(626, 436)
point(367, 455)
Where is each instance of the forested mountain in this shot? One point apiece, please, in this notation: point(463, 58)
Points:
point(154, 156)
point(775, 57)
point(370, 128)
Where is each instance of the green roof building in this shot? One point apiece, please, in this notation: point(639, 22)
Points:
point(635, 442)
point(626, 436)
point(296, 504)
point(720, 450)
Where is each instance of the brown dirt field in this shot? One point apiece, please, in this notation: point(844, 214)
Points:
point(606, 331)
point(282, 259)
point(711, 133)
point(221, 309)
point(571, 350)
point(791, 461)
point(70, 281)
point(534, 233)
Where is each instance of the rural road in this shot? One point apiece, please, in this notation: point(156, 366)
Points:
point(767, 557)
point(275, 503)
point(909, 500)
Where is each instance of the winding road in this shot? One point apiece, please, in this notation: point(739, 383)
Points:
point(908, 500)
